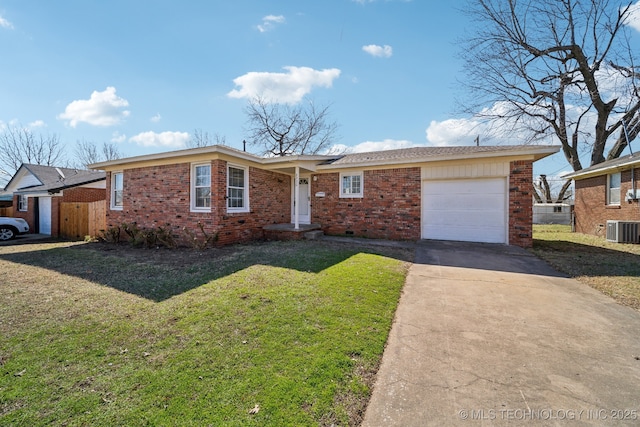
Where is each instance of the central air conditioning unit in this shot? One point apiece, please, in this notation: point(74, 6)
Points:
point(623, 231)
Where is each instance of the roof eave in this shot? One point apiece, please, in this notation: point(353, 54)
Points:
point(211, 149)
point(582, 174)
point(537, 152)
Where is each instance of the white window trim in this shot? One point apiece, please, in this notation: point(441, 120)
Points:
point(192, 192)
point(359, 195)
point(246, 189)
point(23, 207)
point(113, 206)
point(609, 202)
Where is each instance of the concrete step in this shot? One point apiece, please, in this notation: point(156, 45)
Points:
point(313, 235)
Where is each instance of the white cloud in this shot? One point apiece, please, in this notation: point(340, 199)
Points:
point(269, 22)
point(37, 124)
point(367, 146)
point(634, 17)
point(118, 137)
point(290, 87)
point(156, 118)
point(101, 109)
point(163, 139)
point(453, 132)
point(5, 24)
point(378, 51)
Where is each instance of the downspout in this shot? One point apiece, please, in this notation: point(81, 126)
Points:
point(296, 194)
point(633, 169)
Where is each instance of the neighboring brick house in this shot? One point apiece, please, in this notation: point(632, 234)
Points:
point(605, 192)
point(451, 193)
point(38, 191)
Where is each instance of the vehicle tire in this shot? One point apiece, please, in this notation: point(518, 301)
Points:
point(7, 233)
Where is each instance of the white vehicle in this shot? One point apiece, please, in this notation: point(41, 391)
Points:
point(11, 227)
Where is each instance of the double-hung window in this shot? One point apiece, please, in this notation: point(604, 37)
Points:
point(117, 190)
point(23, 203)
point(613, 189)
point(201, 187)
point(237, 189)
point(351, 185)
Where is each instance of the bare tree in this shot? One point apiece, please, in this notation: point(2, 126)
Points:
point(19, 145)
point(203, 139)
point(556, 69)
point(282, 129)
point(87, 153)
point(543, 192)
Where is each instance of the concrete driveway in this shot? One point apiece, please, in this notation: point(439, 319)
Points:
point(491, 335)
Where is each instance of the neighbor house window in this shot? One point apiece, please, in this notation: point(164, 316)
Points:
point(201, 187)
point(237, 189)
point(613, 189)
point(23, 203)
point(117, 190)
point(351, 185)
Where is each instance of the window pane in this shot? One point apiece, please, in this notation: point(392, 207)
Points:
point(203, 176)
point(117, 198)
point(236, 177)
point(614, 180)
point(346, 184)
point(355, 184)
point(236, 198)
point(203, 197)
point(117, 182)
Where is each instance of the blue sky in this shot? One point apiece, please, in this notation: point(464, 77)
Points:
point(146, 74)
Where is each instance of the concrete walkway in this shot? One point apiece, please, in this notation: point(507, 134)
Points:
point(490, 335)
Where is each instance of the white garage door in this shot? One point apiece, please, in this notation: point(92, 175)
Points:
point(470, 210)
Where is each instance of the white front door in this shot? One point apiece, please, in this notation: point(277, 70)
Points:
point(44, 215)
point(304, 198)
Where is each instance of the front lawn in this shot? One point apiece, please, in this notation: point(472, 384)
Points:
point(267, 334)
point(612, 268)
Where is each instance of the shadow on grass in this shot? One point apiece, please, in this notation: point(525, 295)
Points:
point(578, 259)
point(159, 274)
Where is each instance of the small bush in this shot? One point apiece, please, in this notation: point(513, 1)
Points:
point(111, 234)
point(200, 243)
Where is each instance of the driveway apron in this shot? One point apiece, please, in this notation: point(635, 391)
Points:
point(491, 335)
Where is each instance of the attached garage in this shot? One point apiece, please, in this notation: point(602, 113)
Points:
point(470, 210)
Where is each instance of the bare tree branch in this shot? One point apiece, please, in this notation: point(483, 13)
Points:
point(87, 153)
point(558, 70)
point(283, 130)
point(203, 139)
point(18, 145)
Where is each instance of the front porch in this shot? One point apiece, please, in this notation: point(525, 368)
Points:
point(289, 231)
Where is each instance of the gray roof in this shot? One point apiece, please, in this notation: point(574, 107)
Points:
point(620, 163)
point(409, 154)
point(54, 179)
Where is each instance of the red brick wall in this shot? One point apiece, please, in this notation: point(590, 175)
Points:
point(29, 215)
point(520, 204)
point(591, 210)
point(159, 196)
point(390, 208)
point(83, 195)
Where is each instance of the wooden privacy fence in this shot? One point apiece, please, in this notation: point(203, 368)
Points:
point(78, 220)
point(6, 211)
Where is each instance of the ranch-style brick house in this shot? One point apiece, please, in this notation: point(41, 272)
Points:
point(607, 192)
point(469, 193)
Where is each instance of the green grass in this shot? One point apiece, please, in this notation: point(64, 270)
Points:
point(102, 337)
point(612, 268)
